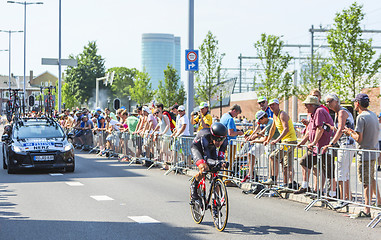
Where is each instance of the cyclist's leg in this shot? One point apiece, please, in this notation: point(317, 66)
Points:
point(202, 166)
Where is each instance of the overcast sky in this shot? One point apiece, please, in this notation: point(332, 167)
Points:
point(117, 26)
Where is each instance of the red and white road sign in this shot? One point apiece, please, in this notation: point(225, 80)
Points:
point(192, 56)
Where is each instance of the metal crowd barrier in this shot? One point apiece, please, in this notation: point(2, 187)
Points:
point(330, 172)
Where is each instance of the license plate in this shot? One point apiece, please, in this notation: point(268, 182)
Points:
point(44, 158)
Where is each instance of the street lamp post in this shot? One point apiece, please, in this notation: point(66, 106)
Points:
point(25, 4)
point(9, 54)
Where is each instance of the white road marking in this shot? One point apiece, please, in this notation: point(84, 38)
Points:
point(102, 198)
point(143, 219)
point(74, 184)
point(55, 174)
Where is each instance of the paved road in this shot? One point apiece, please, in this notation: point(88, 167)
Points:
point(104, 199)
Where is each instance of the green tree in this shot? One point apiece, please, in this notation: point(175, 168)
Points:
point(209, 69)
point(352, 55)
point(142, 91)
point(67, 97)
point(123, 79)
point(81, 79)
point(315, 80)
point(274, 81)
point(171, 91)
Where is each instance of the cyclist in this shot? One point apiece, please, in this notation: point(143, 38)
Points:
point(208, 150)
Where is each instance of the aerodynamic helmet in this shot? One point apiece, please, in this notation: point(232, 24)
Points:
point(218, 131)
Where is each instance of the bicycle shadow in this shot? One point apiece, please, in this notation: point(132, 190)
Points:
point(236, 228)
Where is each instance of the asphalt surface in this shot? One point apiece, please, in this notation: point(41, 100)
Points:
point(105, 199)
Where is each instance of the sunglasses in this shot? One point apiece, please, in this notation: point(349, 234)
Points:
point(156, 113)
point(219, 139)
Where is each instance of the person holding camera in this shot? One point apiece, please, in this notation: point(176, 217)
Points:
point(318, 137)
point(202, 118)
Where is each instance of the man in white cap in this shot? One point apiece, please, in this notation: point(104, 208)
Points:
point(203, 118)
point(285, 154)
point(182, 123)
point(182, 129)
point(263, 105)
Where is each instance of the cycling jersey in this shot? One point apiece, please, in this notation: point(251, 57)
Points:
point(203, 148)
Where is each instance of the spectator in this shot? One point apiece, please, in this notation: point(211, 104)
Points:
point(138, 131)
point(285, 154)
point(164, 128)
point(366, 136)
point(99, 111)
point(168, 114)
point(111, 114)
point(263, 105)
point(81, 129)
point(203, 118)
point(132, 121)
point(174, 112)
point(77, 117)
point(318, 138)
point(257, 147)
point(112, 126)
point(119, 116)
point(343, 118)
point(182, 123)
point(182, 129)
point(314, 92)
point(150, 125)
point(228, 121)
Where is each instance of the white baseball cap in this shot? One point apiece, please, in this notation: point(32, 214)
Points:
point(181, 108)
point(146, 109)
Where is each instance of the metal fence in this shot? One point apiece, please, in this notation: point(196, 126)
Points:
point(343, 175)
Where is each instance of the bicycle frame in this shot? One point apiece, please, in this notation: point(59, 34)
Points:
point(202, 184)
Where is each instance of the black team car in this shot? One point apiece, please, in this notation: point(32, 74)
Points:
point(36, 143)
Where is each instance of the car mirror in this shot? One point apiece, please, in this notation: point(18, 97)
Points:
point(5, 138)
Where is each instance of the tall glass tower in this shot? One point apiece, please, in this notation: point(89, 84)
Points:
point(159, 50)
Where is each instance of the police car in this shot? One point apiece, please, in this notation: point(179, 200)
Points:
point(36, 143)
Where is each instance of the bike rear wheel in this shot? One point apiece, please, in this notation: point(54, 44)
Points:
point(198, 206)
point(219, 205)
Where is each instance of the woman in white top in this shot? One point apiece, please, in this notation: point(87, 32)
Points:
point(163, 129)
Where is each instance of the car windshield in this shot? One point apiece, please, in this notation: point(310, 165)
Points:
point(38, 131)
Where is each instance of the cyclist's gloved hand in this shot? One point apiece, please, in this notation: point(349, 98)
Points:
point(212, 162)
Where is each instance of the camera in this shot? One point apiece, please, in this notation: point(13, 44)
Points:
point(326, 127)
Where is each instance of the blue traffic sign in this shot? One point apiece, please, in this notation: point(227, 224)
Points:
point(191, 60)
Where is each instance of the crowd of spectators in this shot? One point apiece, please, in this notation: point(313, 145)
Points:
point(322, 134)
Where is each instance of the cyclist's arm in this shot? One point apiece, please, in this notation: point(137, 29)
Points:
point(197, 151)
point(222, 150)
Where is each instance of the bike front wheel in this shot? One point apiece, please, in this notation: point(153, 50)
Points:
point(219, 205)
point(198, 206)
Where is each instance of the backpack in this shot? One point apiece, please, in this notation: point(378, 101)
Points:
point(172, 122)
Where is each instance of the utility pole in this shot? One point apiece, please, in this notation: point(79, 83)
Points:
point(312, 52)
point(240, 71)
point(190, 92)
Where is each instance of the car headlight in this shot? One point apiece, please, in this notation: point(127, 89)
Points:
point(17, 149)
point(68, 147)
